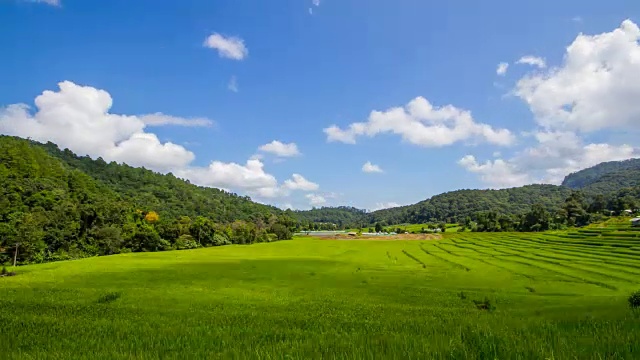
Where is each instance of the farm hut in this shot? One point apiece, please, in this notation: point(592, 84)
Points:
point(635, 222)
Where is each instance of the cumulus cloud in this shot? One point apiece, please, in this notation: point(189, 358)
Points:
point(160, 119)
point(280, 149)
point(368, 167)
point(78, 118)
point(497, 173)
point(233, 84)
point(422, 124)
point(596, 87)
point(502, 68)
point(315, 199)
point(250, 177)
point(228, 47)
point(388, 205)
point(533, 61)
point(298, 182)
point(556, 155)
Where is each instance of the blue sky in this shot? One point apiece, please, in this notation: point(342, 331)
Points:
point(300, 68)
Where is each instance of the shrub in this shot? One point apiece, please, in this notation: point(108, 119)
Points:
point(4, 270)
point(185, 242)
point(484, 305)
point(219, 240)
point(634, 300)
point(109, 297)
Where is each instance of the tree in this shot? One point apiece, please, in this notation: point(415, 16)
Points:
point(281, 231)
point(537, 219)
point(26, 239)
point(574, 207)
point(152, 217)
point(378, 227)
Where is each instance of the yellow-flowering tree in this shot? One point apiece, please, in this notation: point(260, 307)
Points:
point(152, 217)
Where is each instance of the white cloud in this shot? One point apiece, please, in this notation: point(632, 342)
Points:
point(502, 68)
point(228, 47)
point(556, 155)
point(280, 149)
point(287, 206)
point(298, 182)
point(597, 86)
point(315, 199)
point(381, 206)
point(316, 2)
point(233, 84)
point(250, 177)
point(577, 19)
point(533, 61)
point(422, 124)
point(48, 2)
point(78, 118)
point(497, 173)
point(368, 167)
point(160, 119)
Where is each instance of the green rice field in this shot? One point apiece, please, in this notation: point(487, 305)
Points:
point(559, 295)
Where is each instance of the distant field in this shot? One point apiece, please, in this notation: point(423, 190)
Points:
point(556, 296)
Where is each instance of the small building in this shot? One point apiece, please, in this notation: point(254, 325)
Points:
point(628, 212)
point(635, 222)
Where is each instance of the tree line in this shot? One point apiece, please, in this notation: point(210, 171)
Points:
point(577, 210)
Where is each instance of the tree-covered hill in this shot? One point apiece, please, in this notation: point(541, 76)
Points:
point(605, 177)
point(55, 205)
point(455, 206)
point(166, 194)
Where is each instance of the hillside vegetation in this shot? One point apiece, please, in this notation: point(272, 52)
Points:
point(56, 205)
point(612, 184)
point(606, 177)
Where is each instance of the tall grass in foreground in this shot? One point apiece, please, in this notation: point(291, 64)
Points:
point(546, 297)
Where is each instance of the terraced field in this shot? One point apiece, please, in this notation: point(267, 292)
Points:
point(467, 296)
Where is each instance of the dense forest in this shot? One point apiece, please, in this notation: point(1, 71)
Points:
point(55, 205)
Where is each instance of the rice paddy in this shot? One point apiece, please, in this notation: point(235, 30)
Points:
point(556, 295)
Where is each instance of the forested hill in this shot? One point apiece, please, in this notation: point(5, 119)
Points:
point(610, 179)
point(455, 206)
point(605, 177)
point(451, 207)
point(165, 194)
point(55, 205)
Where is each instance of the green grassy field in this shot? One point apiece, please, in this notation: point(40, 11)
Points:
point(556, 296)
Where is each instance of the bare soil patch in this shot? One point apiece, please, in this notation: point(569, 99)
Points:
point(380, 237)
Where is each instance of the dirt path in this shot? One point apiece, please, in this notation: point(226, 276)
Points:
point(380, 237)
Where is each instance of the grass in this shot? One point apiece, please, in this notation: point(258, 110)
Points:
point(467, 296)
